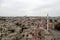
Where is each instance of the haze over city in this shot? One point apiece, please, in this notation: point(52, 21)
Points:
point(29, 7)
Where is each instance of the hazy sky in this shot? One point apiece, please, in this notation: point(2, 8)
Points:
point(29, 7)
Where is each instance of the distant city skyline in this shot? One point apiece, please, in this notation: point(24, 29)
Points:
point(29, 7)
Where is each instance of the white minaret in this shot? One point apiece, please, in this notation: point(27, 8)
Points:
point(47, 22)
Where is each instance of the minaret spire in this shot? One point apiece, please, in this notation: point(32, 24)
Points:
point(47, 22)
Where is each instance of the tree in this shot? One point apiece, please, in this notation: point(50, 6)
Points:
point(57, 26)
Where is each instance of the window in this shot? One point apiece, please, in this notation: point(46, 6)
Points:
point(55, 20)
point(51, 20)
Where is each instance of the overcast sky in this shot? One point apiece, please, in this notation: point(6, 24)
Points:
point(29, 7)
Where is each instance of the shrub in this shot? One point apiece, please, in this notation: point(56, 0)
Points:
point(17, 24)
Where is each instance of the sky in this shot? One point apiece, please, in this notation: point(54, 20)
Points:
point(29, 7)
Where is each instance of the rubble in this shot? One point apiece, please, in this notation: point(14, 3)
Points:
point(21, 28)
